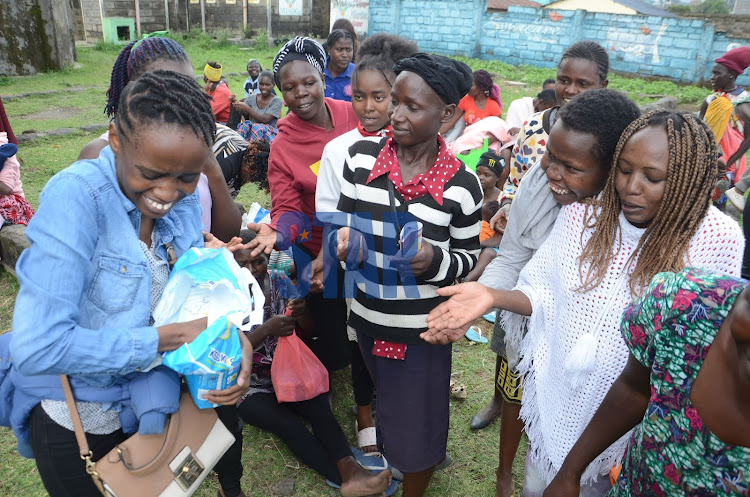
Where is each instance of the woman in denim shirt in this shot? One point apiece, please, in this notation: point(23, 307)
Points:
point(97, 265)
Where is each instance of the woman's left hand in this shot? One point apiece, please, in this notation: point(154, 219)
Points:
point(231, 395)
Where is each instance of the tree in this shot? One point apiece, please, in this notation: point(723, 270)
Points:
point(712, 7)
point(679, 9)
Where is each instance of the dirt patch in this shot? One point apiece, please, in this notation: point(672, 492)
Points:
point(58, 113)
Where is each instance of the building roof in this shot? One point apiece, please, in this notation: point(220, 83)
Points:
point(645, 9)
point(504, 4)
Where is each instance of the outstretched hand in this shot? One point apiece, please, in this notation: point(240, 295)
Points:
point(264, 241)
point(467, 302)
point(500, 220)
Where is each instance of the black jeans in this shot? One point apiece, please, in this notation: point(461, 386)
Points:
point(63, 471)
point(320, 449)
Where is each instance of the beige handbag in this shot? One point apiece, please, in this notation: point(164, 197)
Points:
point(172, 464)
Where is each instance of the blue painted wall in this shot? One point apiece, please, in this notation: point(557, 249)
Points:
point(679, 49)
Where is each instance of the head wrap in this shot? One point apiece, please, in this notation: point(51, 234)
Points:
point(299, 48)
point(491, 161)
point(212, 73)
point(449, 78)
point(736, 60)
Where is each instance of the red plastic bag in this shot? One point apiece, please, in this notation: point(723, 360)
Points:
point(296, 373)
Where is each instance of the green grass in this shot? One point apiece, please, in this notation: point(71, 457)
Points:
point(266, 460)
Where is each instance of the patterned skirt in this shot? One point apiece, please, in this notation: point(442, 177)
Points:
point(251, 131)
point(14, 209)
point(509, 383)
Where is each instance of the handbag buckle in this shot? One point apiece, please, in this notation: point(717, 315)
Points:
point(188, 471)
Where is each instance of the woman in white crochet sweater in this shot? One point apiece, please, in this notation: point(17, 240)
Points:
point(654, 215)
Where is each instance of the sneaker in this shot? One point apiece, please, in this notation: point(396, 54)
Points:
point(736, 197)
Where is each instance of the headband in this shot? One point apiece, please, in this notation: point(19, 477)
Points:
point(212, 73)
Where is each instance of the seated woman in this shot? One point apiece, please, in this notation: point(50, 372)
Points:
point(482, 101)
point(216, 88)
point(261, 111)
point(326, 449)
point(14, 209)
point(685, 389)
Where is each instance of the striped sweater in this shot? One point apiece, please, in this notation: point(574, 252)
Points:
point(385, 307)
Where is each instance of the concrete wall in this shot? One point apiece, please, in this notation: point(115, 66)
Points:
point(35, 36)
point(675, 48)
point(220, 15)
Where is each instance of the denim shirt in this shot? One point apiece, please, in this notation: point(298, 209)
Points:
point(83, 304)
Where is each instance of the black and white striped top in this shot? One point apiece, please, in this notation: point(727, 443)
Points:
point(387, 308)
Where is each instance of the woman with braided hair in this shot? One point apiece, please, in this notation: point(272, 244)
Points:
point(482, 101)
point(654, 215)
point(219, 214)
point(101, 246)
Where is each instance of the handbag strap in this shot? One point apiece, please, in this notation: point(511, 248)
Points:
point(83, 445)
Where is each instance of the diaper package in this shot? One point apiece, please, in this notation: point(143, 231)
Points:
point(209, 283)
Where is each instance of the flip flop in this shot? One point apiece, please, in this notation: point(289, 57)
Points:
point(475, 335)
point(490, 316)
point(374, 464)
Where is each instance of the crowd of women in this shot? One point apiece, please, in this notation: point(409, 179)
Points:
point(623, 325)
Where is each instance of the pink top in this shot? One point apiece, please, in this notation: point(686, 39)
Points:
point(11, 172)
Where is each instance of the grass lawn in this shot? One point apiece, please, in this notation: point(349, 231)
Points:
point(80, 100)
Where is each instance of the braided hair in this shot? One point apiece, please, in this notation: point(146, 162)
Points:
point(691, 178)
point(380, 52)
point(589, 50)
point(483, 81)
point(254, 168)
point(134, 60)
point(165, 97)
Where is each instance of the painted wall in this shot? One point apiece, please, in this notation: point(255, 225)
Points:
point(597, 6)
point(676, 48)
point(354, 10)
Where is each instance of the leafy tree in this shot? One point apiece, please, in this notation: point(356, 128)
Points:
point(712, 7)
point(679, 8)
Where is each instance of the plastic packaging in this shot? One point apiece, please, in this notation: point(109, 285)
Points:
point(209, 283)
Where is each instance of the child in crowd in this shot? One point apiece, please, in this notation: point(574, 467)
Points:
point(339, 65)
point(654, 214)
point(251, 83)
point(684, 389)
point(14, 209)
point(216, 88)
point(101, 243)
point(261, 109)
point(372, 80)
point(482, 101)
point(411, 173)
point(219, 214)
point(489, 170)
point(326, 449)
point(488, 240)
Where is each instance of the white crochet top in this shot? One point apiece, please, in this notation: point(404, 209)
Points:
point(555, 410)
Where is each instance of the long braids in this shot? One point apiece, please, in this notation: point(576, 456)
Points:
point(165, 97)
point(133, 61)
point(691, 178)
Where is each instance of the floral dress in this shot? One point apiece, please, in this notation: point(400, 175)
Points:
point(669, 330)
point(529, 148)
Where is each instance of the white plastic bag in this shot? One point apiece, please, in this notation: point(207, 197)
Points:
point(209, 283)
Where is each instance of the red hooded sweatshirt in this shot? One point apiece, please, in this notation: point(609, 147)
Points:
point(293, 166)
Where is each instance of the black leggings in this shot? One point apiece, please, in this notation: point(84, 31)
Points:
point(320, 449)
point(63, 471)
point(361, 379)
